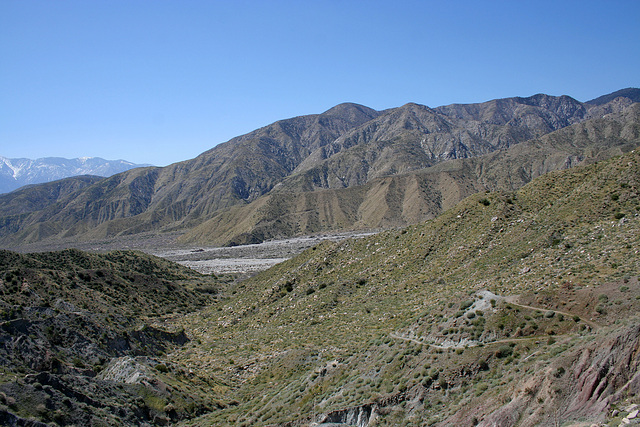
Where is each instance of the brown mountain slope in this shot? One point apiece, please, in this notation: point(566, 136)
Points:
point(149, 199)
point(38, 197)
point(409, 198)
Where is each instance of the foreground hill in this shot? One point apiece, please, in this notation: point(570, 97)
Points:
point(510, 308)
point(514, 308)
point(79, 339)
point(347, 147)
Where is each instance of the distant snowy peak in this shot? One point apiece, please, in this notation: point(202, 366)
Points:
point(8, 164)
point(15, 173)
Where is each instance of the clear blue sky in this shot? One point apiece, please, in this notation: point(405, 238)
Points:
point(162, 81)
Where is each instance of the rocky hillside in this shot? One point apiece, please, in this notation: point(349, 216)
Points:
point(81, 341)
point(347, 146)
point(510, 308)
point(15, 173)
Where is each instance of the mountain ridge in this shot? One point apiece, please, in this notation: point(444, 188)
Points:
point(348, 145)
point(438, 187)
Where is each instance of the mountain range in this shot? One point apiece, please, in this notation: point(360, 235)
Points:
point(15, 173)
point(350, 167)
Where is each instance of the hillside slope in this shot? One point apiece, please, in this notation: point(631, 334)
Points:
point(156, 198)
point(513, 308)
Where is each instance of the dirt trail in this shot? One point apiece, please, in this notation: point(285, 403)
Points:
point(513, 298)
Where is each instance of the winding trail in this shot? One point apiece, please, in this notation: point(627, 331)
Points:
point(511, 300)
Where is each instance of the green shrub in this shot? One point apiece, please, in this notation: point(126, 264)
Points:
point(161, 367)
point(466, 304)
point(504, 351)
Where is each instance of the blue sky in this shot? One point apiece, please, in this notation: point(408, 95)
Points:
point(162, 81)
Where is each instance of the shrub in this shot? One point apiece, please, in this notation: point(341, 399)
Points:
point(161, 367)
point(466, 304)
point(504, 351)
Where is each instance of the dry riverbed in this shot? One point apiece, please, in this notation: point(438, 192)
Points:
point(246, 259)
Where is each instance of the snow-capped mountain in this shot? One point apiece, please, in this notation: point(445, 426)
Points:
point(15, 173)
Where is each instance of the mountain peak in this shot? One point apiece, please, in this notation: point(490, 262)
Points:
point(349, 108)
point(631, 92)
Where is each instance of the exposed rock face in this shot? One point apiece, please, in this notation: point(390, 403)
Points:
point(582, 384)
point(127, 370)
point(360, 416)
